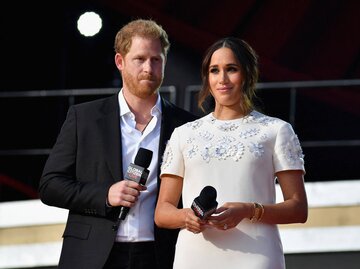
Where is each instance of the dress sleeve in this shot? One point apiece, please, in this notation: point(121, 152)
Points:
point(173, 161)
point(288, 154)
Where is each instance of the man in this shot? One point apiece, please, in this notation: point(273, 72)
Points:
point(97, 142)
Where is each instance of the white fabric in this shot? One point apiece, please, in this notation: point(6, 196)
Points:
point(239, 159)
point(139, 223)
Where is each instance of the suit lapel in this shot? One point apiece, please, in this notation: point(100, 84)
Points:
point(165, 132)
point(167, 125)
point(110, 126)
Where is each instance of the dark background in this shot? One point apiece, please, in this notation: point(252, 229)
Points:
point(302, 40)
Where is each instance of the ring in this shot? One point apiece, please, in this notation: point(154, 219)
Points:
point(225, 226)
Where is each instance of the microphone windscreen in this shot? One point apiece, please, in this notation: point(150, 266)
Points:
point(207, 196)
point(143, 157)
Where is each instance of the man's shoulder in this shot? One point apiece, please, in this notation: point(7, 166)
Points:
point(174, 111)
point(103, 104)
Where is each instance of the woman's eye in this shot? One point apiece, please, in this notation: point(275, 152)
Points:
point(232, 69)
point(214, 70)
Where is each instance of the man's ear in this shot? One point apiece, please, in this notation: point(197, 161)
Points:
point(119, 61)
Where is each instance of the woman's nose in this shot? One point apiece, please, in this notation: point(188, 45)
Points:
point(223, 78)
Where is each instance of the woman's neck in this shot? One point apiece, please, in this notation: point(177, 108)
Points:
point(225, 113)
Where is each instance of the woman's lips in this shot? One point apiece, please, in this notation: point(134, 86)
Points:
point(223, 89)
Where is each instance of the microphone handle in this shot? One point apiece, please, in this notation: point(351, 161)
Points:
point(123, 213)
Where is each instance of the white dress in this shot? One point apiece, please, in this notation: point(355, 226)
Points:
point(239, 159)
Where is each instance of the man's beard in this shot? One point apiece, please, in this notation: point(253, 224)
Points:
point(142, 90)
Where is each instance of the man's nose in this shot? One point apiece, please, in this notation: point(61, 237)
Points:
point(147, 66)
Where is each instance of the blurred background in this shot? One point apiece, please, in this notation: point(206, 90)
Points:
point(309, 55)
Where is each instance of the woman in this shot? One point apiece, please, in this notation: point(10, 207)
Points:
point(241, 153)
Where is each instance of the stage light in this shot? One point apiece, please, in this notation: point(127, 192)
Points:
point(89, 24)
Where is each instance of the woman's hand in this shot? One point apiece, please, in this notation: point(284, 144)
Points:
point(229, 215)
point(193, 223)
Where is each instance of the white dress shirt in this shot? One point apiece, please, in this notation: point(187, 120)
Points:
point(139, 223)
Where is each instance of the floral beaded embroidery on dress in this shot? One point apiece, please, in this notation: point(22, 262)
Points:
point(241, 135)
point(235, 139)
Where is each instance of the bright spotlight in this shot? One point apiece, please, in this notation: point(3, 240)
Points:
point(89, 24)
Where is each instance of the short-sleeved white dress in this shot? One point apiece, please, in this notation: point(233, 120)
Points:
point(239, 158)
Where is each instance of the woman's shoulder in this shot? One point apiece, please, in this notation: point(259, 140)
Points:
point(272, 125)
point(264, 120)
point(195, 123)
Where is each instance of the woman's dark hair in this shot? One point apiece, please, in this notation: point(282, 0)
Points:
point(248, 60)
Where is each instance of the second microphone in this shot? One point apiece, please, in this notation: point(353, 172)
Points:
point(138, 172)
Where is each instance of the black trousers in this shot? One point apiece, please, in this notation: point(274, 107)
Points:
point(137, 255)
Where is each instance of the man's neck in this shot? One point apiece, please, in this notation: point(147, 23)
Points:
point(141, 107)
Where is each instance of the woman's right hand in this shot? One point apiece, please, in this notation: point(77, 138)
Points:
point(193, 223)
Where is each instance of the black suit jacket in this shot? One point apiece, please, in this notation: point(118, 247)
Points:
point(84, 162)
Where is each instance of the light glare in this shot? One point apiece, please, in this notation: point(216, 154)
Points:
point(89, 24)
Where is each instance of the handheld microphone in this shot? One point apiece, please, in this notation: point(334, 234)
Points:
point(137, 172)
point(205, 204)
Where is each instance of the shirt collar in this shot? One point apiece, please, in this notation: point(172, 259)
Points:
point(124, 108)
